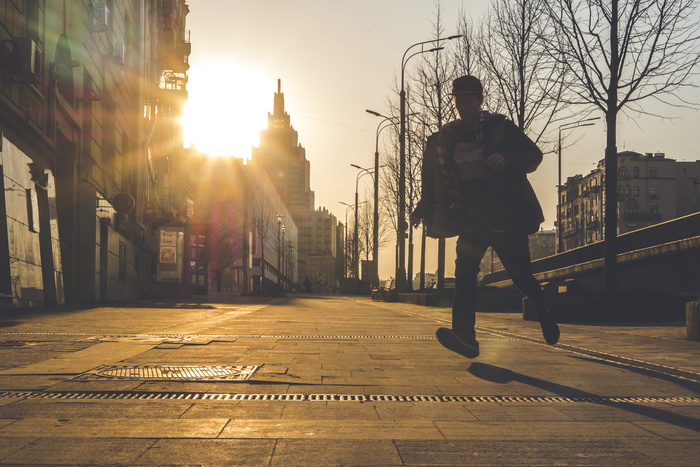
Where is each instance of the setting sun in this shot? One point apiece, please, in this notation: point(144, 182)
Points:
point(227, 108)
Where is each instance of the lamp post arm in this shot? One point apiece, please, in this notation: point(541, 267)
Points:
point(432, 41)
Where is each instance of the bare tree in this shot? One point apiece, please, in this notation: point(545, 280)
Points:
point(230, 245)
point(465, 54)
point(264, 228)
point(526, 81)
point(389, 181)
point(432, 104)
point(365, 228)
point(620, 53)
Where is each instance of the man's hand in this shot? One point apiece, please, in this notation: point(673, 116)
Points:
point(415, 221)
point(495, 162)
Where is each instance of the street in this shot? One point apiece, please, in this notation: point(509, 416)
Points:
point(333, 380)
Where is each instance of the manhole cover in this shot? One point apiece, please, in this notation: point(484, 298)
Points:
point(170, 373)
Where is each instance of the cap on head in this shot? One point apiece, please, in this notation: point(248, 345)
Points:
point(467, 85)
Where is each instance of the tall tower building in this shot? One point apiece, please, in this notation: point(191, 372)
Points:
point(285, 159)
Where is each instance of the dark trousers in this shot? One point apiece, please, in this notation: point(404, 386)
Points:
point(512, 248)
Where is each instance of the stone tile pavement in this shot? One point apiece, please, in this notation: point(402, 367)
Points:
point(339, 381)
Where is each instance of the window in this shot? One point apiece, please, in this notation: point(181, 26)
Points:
point(631, 207)
point(635, 171)
point(653, 172)
point(635, 191)
point(627, 190)
point(623, 173)
point(653, 192)
point(653, 209)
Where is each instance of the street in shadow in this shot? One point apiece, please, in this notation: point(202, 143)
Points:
point(499, 375)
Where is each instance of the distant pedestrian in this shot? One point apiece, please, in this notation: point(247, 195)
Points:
point(482, 160)
point(307, 286)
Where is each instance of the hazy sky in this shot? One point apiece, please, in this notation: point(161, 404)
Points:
point(337, 58)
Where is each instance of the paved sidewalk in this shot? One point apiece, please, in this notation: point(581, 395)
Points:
point(310, 380)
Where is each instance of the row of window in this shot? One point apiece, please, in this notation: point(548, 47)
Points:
point(624, 173)
point(632, 207)
point(626, 190)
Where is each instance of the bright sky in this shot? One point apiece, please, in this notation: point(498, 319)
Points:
point(336, 59)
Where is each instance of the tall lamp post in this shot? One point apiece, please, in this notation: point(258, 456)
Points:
point(401, 231)
point(345, 265)
point(348, 207)
point(375, 227)
point(284, 281)
point(356, 250)
point(279, 253)
point(355, 246)
point(563, 127)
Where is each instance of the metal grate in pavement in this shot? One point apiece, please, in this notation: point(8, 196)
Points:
point(169, 373)
point(135, 395)
point(189, 337)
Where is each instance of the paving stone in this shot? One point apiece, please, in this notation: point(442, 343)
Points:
point(534, 430)
point(663, 452)
point(9, 446)
point(331, 429)
point(55, 451)
point(236, 410)
point(229, 452)
point(518, 453)
point(690, 430)
point(65, 409)
point(114, 428)
point(422, 411)
point(305, 452)
point(329, 411)
point(539, 412)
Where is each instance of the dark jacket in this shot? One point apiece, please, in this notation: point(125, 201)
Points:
point(502, 201)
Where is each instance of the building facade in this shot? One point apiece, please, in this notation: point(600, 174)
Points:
point(284, 160)
point(91, 95)
point(651, 189)
point(274, 245)
point(319, 242)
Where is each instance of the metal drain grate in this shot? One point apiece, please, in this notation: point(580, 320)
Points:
point(169, 373)
point(134, 395)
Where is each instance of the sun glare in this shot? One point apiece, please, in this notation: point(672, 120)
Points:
point(226, 109)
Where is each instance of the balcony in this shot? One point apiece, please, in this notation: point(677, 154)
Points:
point(592, 225)
point(174, 50)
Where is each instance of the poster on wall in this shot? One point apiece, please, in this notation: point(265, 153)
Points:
point(170, 254)
point(168, 238)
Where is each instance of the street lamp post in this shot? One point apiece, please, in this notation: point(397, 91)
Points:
point(284, 262)
point(345, 265)
point(348, 207)
point(356, 251)
point(279, 239)
point(401, 224)
point(375, 227)
point(565, 126)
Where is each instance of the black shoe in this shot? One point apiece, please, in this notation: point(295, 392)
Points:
point(550, 329)
point(466, 346)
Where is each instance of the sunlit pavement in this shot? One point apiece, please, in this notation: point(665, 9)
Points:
point(309, 380)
